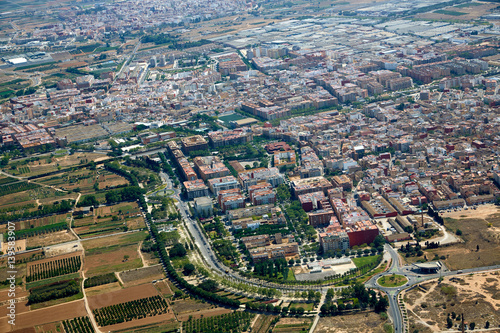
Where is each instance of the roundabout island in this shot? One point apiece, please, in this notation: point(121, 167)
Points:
point(392, 281)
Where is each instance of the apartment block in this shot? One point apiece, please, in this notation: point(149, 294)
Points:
point(252, 177)
point(195, 188)
point(194, 143)
point(229, 138)
point(209, 167)
point(224, 183)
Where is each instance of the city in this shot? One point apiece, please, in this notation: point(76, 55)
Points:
point(249, 166)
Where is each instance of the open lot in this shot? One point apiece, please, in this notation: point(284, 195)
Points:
point(50, 239)
point(361, 322)
point(476, 296)
point(481, 243)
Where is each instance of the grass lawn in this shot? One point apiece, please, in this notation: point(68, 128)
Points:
point(359, 262)
point(392, 281)
point(291, 275)
point(306, 306)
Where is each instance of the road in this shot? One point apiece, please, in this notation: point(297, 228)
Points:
point(125, 64)
point(414, 277)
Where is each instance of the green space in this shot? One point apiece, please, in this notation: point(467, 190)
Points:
point(393, 280)
point(470, 4)
point(305, 306)
point(231, 117)
point(449, 12)
point(362, 261)
point(39, 283)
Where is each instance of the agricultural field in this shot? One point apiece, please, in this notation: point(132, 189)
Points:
point(99, 280)
point(137, 309)
point(476, 296)
point(84, 180)
point(43, 316)
point(110, 219)
point(113, 258)
point(40, 165)
point(262, 323)
point(142, 275)
point(78, 325)
point(122, 296)
point(465, 12)
point(47, 268)
point(360, 322)
point(481, 244)
point(292, 325)
point(50, 239)
point(231, 322)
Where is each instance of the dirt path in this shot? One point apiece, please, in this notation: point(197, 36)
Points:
point(144, 263)
point(85, 300)
point(119, 278)
point(254, 321)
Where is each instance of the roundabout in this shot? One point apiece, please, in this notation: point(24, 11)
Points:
point(392, 281)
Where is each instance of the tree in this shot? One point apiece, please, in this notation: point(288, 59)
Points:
point(382, 305)
point(472, 326)
point(209, 285)
point(449, 322)
point(291, 262)
point(188, 268)
point(487, 325)
point(458, 232)
point(125, 257)
point(177, 250)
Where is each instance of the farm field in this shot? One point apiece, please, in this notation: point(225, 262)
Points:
point(47, 268)
point(43, 316)
point(116, 240)
point(142, 275)
point(467, 11)
point(110, 219)
point(477, 296)
point(292, 325)
point(84, 180)
point(112, 259)
point(47, 163)
point(361, 322)
point(122, 296)
point(50, 239)
point(262, 323)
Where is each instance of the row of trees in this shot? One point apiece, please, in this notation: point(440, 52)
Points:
point(45, 229)
point(100, 280)
point(53, 268)
point(78, 325)
point(52, 291)
point(16, 187)
point(232, 322)
point(194, 290)
point(143, 162)
point(137, 309)
point(62, 207)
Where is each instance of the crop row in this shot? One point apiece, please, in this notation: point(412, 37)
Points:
point(100, 280)
point(53, 268)
point(78, 325)
point(16, 187)
point(231, 322)
point(141, 308)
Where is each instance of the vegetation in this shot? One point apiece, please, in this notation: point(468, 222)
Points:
point(53, 268)
point(354, 297)
point(25, 233)
point(78, 325)
point(272, 269)
point(231, 322)
point(54, 290)
point(393, 281)
point(100, 280)
point(62, 207)
point(16, 187)
point(141, 308)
